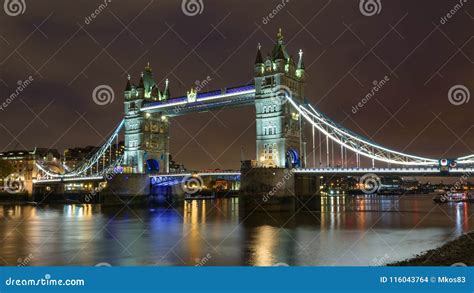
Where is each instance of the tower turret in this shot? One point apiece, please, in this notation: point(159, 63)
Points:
point(300, 70)
point(128, 89)
point(166, 93)
point(128, 86)
point(279, 53)
point(259, 66)
point(148, 81)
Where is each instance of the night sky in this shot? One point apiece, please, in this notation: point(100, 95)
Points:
point(344, 52)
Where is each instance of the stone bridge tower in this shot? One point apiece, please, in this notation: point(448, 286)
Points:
point(280, 139)
point(146, 134)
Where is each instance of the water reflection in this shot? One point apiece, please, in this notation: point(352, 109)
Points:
point(349, 230)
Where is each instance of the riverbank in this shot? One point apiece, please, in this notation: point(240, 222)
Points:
point(458, 252)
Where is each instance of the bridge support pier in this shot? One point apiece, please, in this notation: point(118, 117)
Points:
point(277, 189)
point(127, 188)
point(46, 193)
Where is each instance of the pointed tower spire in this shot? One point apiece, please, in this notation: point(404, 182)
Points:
point(280, 36)
point(166, 93)
point(148, 67)
point(148, 81)
point(128, 87)
point(301, 61)
point(259, 59)
point(279, 51)
point(300, 70)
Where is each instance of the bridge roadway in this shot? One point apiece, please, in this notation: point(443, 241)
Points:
point(389, 171)
point(347, 171)
point(68, 179)
point(315, 171)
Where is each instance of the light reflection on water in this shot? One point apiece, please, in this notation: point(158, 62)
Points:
point(349, 230)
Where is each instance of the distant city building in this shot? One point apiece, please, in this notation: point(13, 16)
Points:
point(176, 168)
point(410, 183)
point(23, 163)
point(73, 156)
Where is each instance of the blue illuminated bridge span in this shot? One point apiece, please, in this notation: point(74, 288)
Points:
point(283, 112)
point(214, 100)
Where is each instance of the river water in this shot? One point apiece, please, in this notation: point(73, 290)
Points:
point(349, 231)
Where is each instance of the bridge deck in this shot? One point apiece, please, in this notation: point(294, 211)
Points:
point(68, 179)
point(316, 171)
point(394, 171)
point(231, 97)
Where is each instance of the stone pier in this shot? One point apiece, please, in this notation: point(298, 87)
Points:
point(126, 188)
point(278, 189)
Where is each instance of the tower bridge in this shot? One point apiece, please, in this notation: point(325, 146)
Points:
point(282, 114)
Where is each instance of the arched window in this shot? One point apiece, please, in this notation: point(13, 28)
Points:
point(274, 108)
point(264, 109)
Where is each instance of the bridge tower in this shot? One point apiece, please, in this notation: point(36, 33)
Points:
point(280, 139)
point(146, 134)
